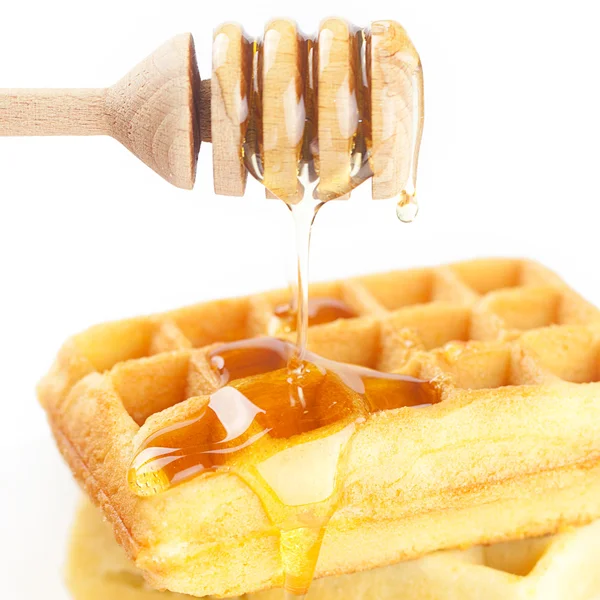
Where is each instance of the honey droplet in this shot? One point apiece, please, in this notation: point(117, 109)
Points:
point(407, 208)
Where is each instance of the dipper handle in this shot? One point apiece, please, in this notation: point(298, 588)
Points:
point(26, 112)
point(154, 111)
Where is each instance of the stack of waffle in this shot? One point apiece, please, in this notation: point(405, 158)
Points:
point(510, 451)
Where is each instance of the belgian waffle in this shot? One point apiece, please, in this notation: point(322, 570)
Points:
point(546, 568)
point(511, 450)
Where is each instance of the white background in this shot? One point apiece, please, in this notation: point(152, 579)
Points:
point(509, 166)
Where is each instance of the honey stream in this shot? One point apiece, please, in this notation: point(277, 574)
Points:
point(282, 418)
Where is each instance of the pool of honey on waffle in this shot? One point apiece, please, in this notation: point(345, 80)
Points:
point(279, 410)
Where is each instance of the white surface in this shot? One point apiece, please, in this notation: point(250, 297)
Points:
point(87, 233)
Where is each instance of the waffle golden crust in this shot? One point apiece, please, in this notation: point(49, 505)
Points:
point(547, 568)
point(512, 450)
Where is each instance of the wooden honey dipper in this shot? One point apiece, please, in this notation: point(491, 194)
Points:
point(350, 102)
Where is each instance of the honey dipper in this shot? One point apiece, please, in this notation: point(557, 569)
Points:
point(348, 101)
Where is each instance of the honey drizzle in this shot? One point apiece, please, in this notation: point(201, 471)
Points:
point(251, 426)
point(271, 391)
point(304, 214)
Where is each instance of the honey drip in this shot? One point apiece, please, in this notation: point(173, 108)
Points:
point(283, 418)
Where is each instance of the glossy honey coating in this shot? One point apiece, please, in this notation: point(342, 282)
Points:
point(263, 397)
point(334, 109)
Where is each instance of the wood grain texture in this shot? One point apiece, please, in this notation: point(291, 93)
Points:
point(53, 112)
point(152, 111)
point(230, 108)
point(282, 110)
point(337, 107)
point(395, 69)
